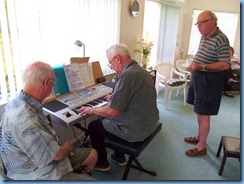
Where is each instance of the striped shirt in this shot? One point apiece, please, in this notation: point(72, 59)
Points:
point(28, 144)
point(215, 48)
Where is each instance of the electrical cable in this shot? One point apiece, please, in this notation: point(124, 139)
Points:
point(82, 130)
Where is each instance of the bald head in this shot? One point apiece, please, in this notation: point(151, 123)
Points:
point(207, 23)
point(207, 14)
point(36, 72)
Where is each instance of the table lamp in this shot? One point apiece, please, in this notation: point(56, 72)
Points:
point(78, 43)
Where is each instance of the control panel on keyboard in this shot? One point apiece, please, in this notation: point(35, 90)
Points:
point(79, 98)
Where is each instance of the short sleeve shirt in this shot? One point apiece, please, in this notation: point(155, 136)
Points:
point(134, 95)
point(28, 144)
point(215, 48)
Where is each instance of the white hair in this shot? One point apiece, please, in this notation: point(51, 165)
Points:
point(118, 49)
point(36, 72)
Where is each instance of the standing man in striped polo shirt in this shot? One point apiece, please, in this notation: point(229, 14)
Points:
point(207, 79)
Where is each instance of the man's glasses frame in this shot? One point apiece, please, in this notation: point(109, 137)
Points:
point(110, 63)
point(53, 80)
point(203, 22)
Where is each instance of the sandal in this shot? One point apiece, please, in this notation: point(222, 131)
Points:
point(228, 94)
point(194, 152)
point(191, 139)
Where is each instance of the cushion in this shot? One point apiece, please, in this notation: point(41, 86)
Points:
point(174, 82)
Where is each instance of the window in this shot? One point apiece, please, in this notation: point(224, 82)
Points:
point(162, 30)
point(47, 30)
point(227, 22)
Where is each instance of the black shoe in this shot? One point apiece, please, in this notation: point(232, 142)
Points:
point(102, 167)
point(233, 82)
point(121, 161)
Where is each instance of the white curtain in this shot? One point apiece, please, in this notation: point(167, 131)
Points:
point(162, 30)
point(46, 30)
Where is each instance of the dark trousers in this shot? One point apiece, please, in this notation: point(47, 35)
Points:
point(97, 135)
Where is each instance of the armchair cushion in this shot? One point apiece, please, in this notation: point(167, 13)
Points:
point(174, 82)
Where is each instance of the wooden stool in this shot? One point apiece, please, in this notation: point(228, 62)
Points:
point(231, 147)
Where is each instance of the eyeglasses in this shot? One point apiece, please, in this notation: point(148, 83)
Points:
point(203, 22)
point(110, 63)
point(53, 80)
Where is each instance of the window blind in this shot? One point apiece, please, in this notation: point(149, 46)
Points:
point(45, 30)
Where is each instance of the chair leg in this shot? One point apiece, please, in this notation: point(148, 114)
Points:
point(139, 167)
point(170, 94)
point(185, 94)
point(166, 97)
point(220, 146)
point(177, 92)
point(157, 85)
point(127, 169)
point(222, 164)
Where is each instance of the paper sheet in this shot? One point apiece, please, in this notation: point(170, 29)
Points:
point(74, 77)
point(86, 74)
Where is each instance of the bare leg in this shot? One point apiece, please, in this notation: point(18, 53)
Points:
point(204, 128)
point(91, 160)
point(83, 162)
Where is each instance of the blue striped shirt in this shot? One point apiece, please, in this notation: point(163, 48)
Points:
point(28, 144)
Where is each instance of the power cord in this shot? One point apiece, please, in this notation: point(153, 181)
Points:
point(82, 143)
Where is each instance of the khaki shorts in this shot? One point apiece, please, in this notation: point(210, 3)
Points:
point(76, 161)
point(74, 176)
point(79, 157)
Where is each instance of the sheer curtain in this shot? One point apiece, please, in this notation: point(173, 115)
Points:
point(46, 30)
point(162, 30)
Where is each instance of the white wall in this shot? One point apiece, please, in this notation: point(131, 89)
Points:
point(131, 28)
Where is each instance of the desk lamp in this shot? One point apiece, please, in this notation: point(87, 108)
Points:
point(78, 43)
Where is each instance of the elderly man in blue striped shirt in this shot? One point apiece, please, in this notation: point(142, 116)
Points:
point(29, 147)
point(206, 85)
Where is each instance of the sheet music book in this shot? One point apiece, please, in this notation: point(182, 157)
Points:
point(61, 86)
point(87, 74)
point(73, 76)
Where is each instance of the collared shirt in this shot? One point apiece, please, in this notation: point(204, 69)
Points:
point(215, 48)
point(28, 144)
point(134, 95)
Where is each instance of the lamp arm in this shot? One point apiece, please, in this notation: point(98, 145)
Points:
point(83, 50)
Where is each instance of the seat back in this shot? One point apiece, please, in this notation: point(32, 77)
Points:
point(166, 74)
point(181, 66)
point(165, 69)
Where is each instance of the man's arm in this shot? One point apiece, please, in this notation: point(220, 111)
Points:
point(218, 66)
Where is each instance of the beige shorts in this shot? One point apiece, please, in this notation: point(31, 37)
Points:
point(76, 161)
point(74, 176)
point(79, 157)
